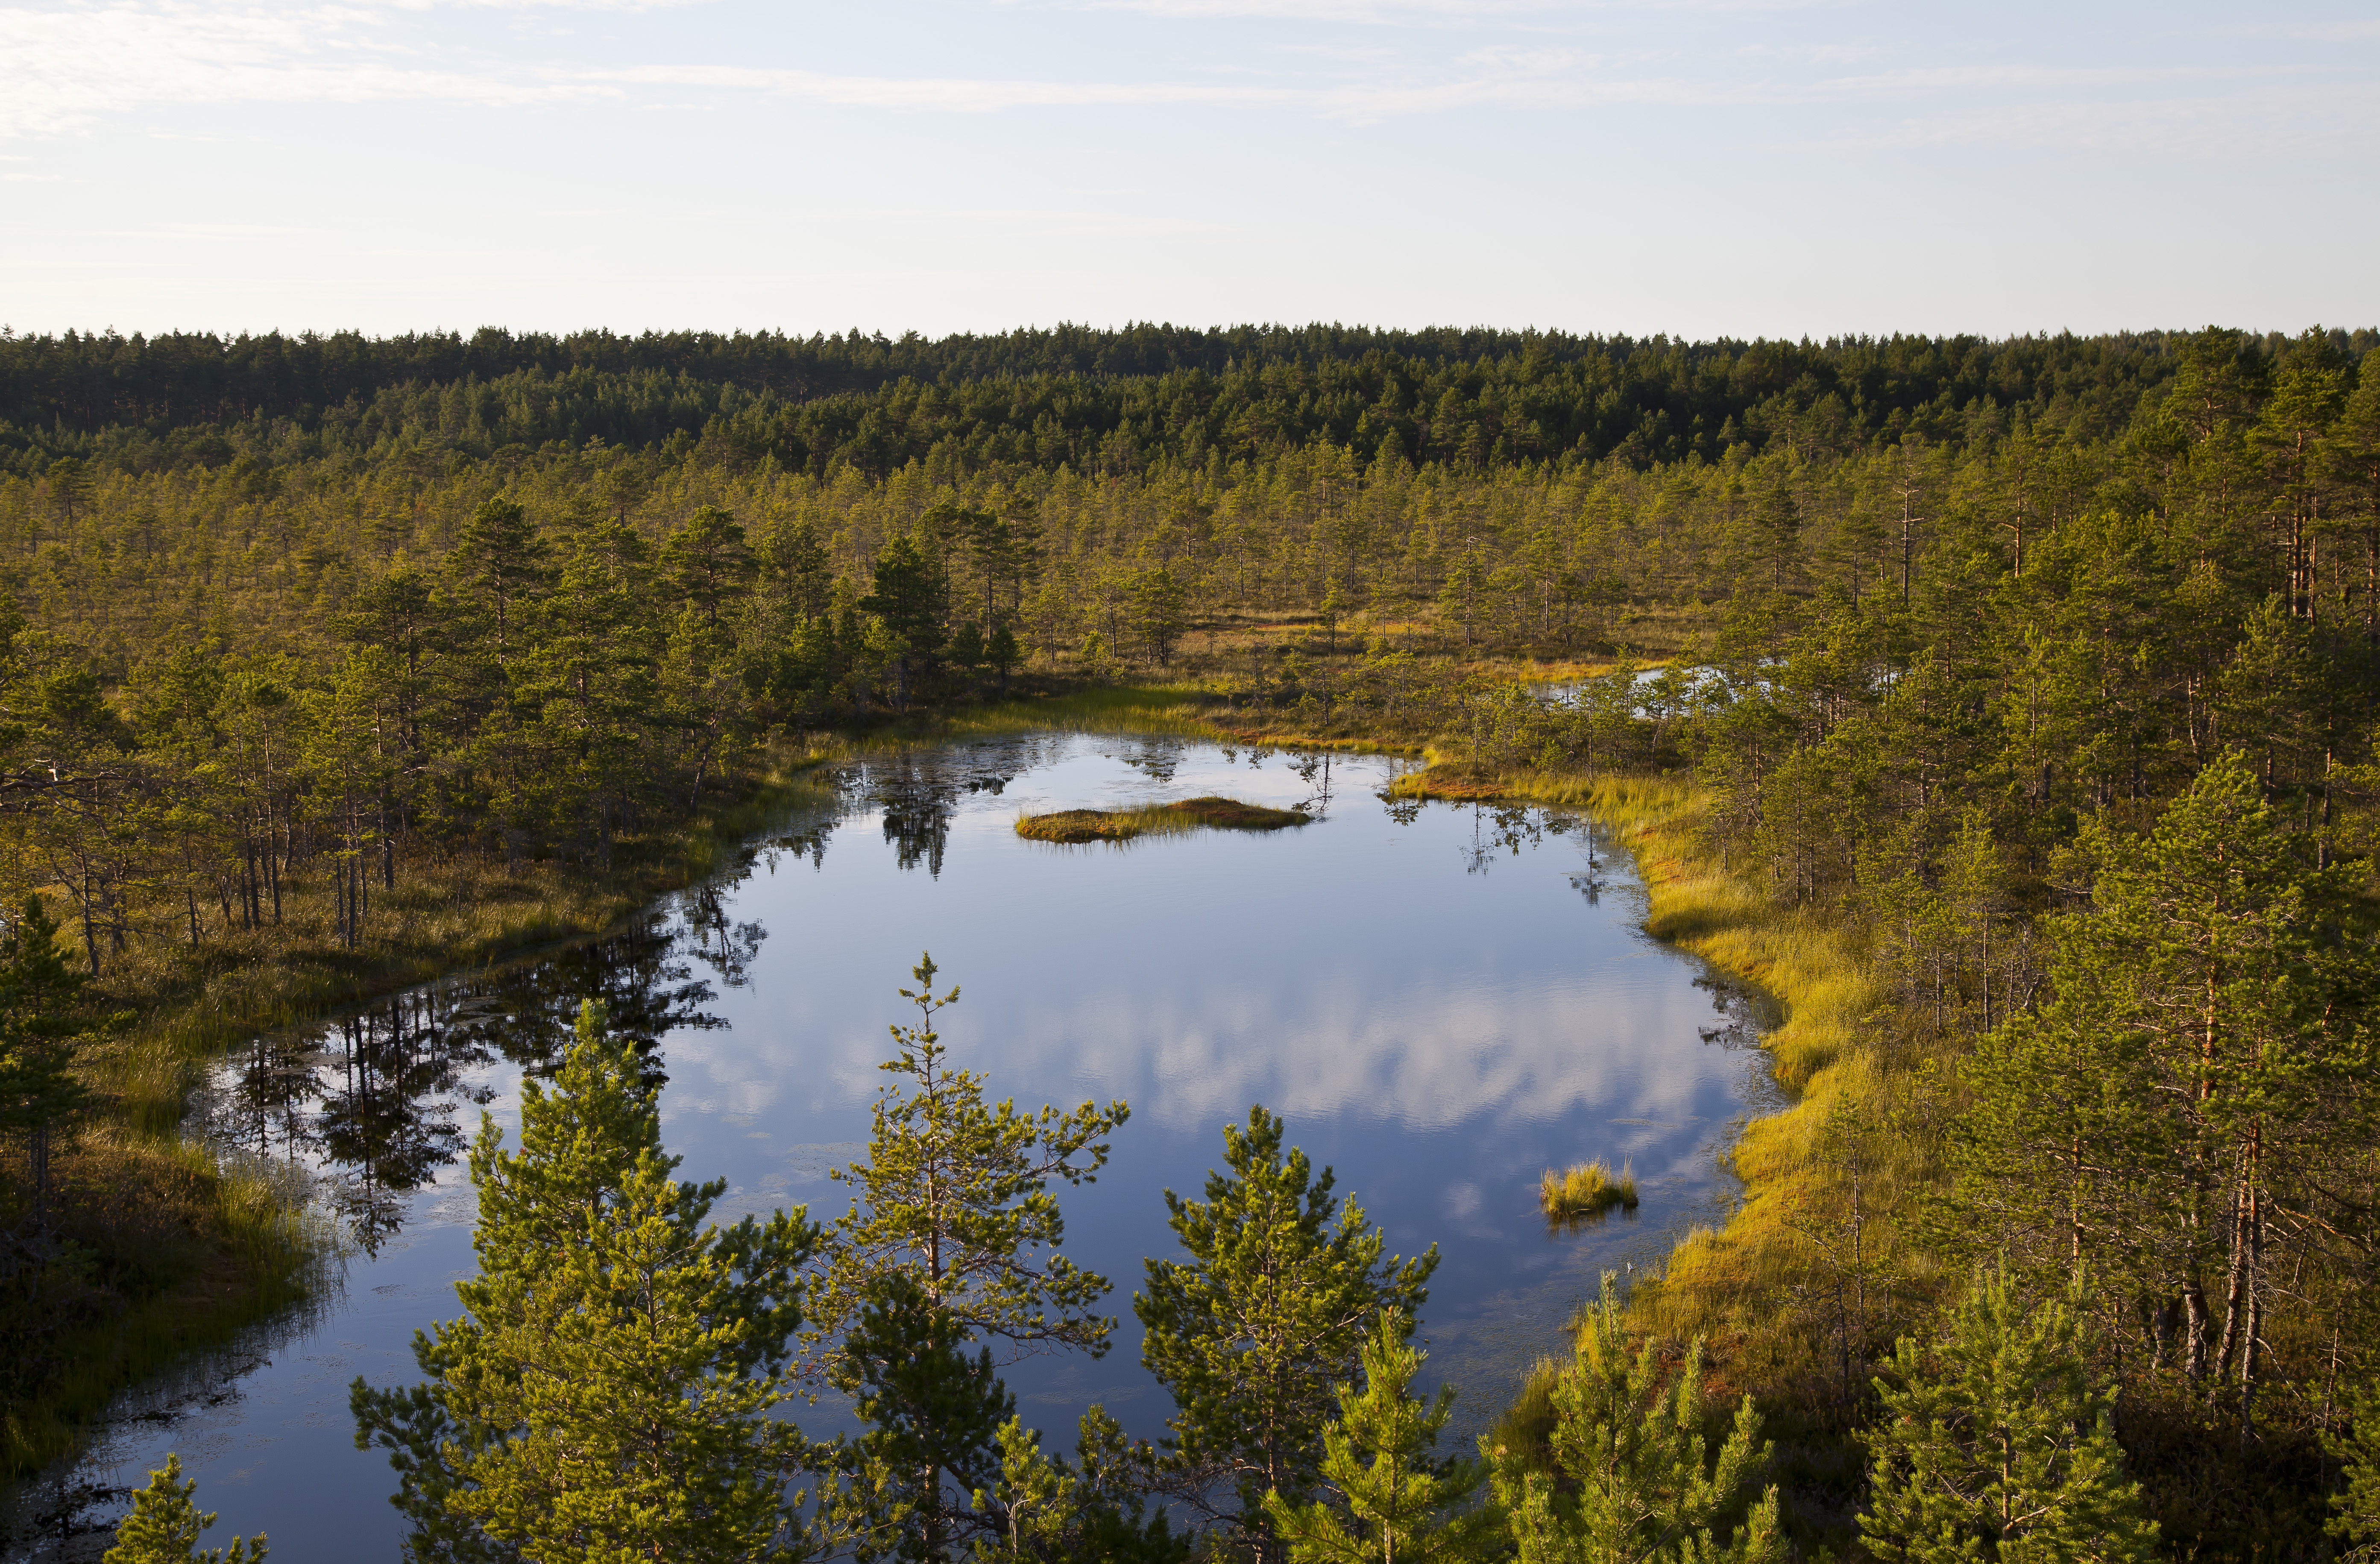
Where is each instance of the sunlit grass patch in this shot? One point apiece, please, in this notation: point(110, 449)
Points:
point(1454, 780)
point(1128, 709)
point(1584, 1190)
point(1122, 825)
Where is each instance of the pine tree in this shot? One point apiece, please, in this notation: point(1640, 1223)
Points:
point(709, 562)
point(955, 1194)
point(41, 1023)
point(934, 1415)
point(608, 1394)
point(912, 596)
point(1095, 1509)
point(1635, 1480)
point(2200, 1045)
point(1271, 1309)
point(800, 569)
point(1161, 612)
point(1333, 608)
point(2357, 1502)
point(502, 558)
point(1376, 1457)
point(164, 1525)
point(1993, 1444)
point(950, 1244)
point(1001, 651)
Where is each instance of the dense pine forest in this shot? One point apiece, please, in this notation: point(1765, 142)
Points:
point(2018, 699)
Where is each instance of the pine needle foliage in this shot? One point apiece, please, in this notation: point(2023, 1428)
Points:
point(1398, 1504)
point(1993, 1444)
point(608, 1394)
point(2179, 1115)
point(1636, 1479)
point(955, 1194)
point(1091, 1508)
point(165, 1525)
point(943, 1269)
point(2356, 1450)
point(42, 1023)
point(1282, 1287)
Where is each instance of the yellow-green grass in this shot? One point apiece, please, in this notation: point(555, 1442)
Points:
point(1583, 1190)
point(1524, 1433)
point(1074, 826)
point(1815, 965)
point(1175, 709)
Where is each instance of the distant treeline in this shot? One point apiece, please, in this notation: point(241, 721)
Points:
point(1107, 401)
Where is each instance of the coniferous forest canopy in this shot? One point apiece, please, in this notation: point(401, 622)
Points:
point(2014, 699)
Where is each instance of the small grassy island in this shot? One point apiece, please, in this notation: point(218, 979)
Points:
point(1122, 825)
point(1589, 1189)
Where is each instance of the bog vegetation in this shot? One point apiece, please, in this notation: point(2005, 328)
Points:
point(1584, 1189)
point(2008, 706)
point(1122, 825)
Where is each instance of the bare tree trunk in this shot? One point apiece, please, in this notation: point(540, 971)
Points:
point(90, 934)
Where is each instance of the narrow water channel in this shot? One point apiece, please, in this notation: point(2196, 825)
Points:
point(1442, 1000)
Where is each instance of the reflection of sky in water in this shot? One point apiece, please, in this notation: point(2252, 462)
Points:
point(1425, 993)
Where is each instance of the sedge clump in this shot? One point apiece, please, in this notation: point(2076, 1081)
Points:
point(1586, 1189)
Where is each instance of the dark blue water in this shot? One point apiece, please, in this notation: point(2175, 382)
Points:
point(1442, 1000)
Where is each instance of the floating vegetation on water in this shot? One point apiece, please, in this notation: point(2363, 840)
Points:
point(1588, 1189)
point(1122, 825)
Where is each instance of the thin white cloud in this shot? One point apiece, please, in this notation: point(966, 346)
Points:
point(65, 68)
point(1440, 12)
point(1360, 11)
point(1527, 60)
point(62, 69)
point(2262, 126)
point(2026, 76)
point(950, 94)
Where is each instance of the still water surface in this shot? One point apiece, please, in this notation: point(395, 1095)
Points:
point(1442, 1000)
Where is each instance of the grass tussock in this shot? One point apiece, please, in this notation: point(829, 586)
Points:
point(1075, 826)
point(172, 1250)
point(1584, 1190)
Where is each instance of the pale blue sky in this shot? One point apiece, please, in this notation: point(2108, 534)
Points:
point(1765, 168)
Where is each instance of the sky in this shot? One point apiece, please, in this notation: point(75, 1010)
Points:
point(1698, 167)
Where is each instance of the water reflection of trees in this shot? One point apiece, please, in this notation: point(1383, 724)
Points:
point(376, 1104)
point(727, 949)
point(1502, 829)
point(1314, 769)
point(919, 796)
